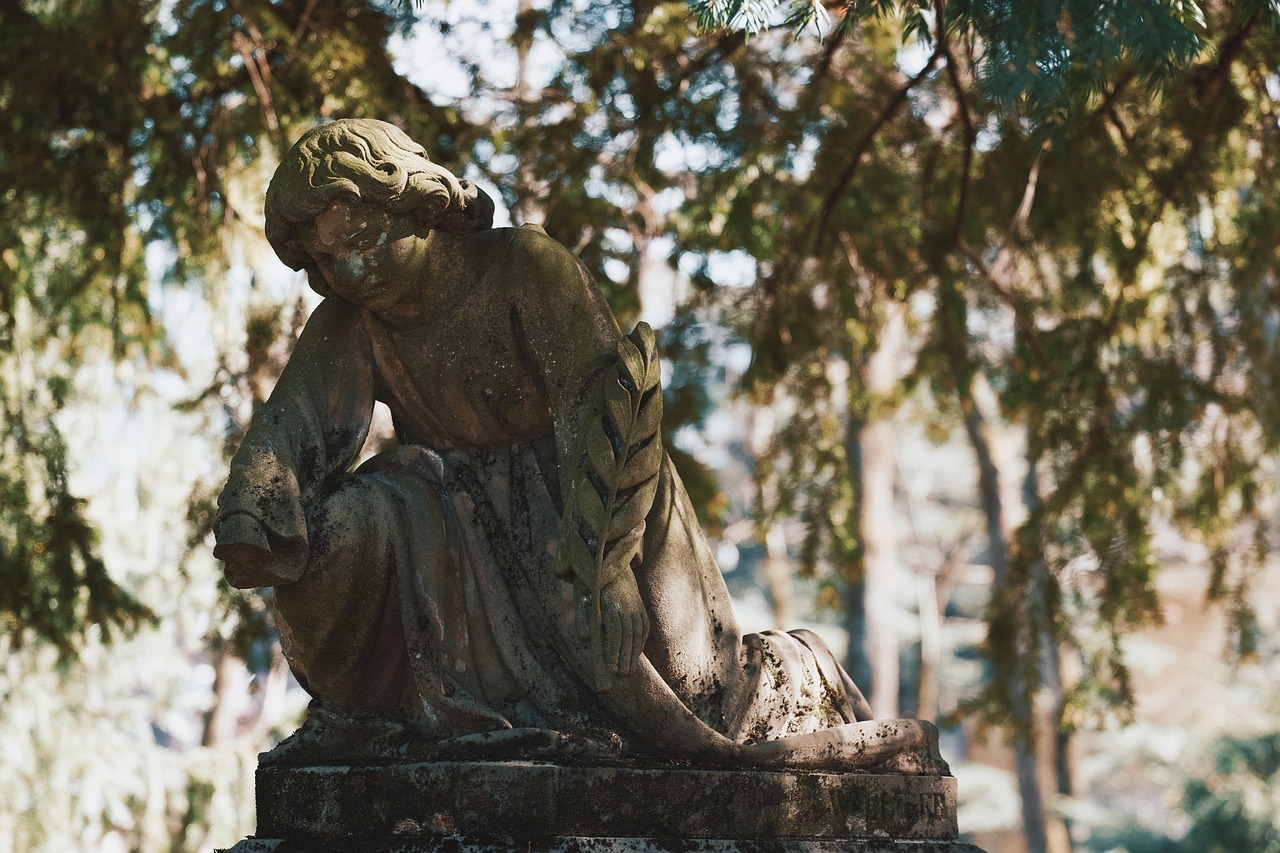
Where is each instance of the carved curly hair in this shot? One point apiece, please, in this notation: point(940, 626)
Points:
point(369, 161)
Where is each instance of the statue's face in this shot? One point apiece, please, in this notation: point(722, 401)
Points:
point(368, 256)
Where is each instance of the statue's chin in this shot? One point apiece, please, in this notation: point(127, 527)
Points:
point(376, 297)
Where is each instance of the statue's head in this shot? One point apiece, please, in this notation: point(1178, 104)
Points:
point(370, 162)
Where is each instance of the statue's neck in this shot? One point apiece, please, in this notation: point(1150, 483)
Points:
point(444, 275)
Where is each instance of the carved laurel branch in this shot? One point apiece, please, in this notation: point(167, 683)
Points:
point(615, 481)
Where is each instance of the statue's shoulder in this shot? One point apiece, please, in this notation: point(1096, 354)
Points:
point(529, 240)
point(541, 261)
point(335, 314)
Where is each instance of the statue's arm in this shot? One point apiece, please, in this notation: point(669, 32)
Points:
point(310, 429)
point(565, 328)
point(606, 408)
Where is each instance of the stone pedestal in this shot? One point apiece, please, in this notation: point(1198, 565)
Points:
point(492, 806)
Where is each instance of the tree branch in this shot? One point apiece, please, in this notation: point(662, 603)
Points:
point(1107, 109)
point(846, 178)
point(967, 127)
point(1207, 94)
point(1023, 213)
point(1024, 323)
point(969, 130)
point(259, 76)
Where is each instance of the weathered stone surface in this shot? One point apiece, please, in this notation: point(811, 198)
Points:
point(507, 805)
point(460, 844)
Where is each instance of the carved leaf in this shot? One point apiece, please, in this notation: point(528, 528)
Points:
point(619, 415)
point(643, 462)
point(592, 509)
point(629, 542)
point(600, 455)
point(578, 551)
point(649, 418)
point(616, 477)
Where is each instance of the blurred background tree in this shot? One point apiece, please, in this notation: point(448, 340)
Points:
point(1041, 227)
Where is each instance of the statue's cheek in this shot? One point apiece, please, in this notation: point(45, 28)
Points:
point(355, 272)
point(353, 266)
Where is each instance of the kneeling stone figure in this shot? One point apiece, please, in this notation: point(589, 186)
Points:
point(524, 576)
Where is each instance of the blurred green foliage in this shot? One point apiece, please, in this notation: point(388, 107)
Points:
point(1111, 278)
point(1228, 803)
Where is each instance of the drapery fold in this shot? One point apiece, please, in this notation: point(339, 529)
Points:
point(443, 563)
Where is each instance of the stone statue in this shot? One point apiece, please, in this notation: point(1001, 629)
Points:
point(523, 576)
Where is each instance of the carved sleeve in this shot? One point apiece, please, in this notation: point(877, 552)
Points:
point(310, 429)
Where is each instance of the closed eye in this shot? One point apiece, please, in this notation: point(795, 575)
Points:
point(364, 231)
point(316, 249)
point(365, 236)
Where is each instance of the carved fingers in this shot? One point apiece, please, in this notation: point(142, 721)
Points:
point(625, 624)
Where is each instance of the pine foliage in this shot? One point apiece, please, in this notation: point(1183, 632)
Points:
point(1044, 61)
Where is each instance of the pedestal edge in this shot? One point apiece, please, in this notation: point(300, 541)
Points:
point(540, 800)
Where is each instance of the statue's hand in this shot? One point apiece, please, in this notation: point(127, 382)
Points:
point(625, 624)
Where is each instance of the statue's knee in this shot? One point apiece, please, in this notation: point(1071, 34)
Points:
point(365, 514)
point(344, 520)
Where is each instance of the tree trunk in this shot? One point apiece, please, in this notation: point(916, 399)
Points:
point(983, 440)
point(274, 689)
point(930, 646)
point(856, 661)
point(528, 208)
point(1062, 771)
point(1053, 681)
point(777, 576)
point(935, 591)
point(880, 562)
point(1025, 765)
point(932, 601)
point(869, 446)
point(219, 720)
